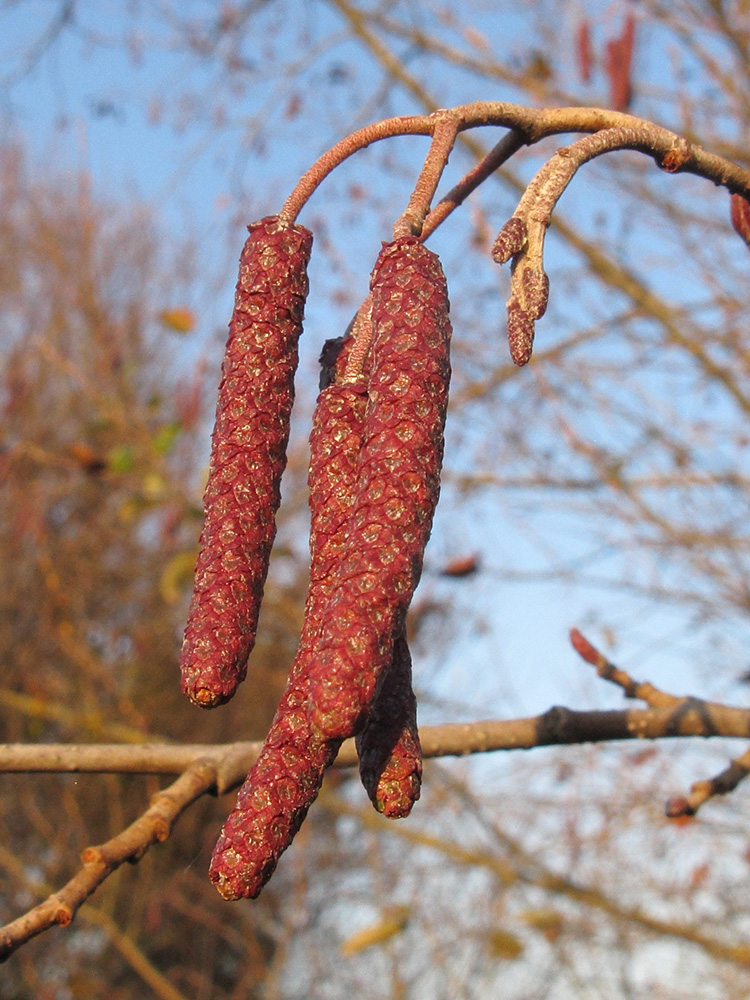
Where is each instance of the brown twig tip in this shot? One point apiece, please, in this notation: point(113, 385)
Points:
point(585, 650)
point(679, 808)
point(64, 915)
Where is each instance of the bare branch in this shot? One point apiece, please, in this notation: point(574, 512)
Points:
point(205, 768)
point(443, 140)
point(674, 153)
point(702, 791)
point(99, 862)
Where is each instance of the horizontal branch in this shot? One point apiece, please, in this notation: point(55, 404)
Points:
point(687, 717)
point(206, 768)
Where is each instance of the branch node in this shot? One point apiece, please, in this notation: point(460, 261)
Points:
point(64, 915)
point(677, 157)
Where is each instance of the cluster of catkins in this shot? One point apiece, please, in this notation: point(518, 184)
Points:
point(376, 451)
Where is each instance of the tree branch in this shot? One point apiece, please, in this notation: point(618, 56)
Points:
point(219, 768)
point(99, 862)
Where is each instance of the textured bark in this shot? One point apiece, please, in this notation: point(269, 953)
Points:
point(286, 778)
point(398, 482)
point(390, 755)
point(248, 456)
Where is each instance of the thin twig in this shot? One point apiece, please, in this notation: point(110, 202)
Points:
point(672, 717)
point(522, 238)
point(643, 690)
point(443, 140)
point(223, 767)
point(673, 152)
point(502, 151)
point(702, 791)
point(131, 844)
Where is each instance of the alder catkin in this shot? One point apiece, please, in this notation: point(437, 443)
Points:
point(398, 482)
point(287, 776)
point(390, 755)
point(248, 455)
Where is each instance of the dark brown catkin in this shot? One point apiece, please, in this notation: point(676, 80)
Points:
point(390, 755)
point(248, 455)
point(286, 778)
point(398, 482)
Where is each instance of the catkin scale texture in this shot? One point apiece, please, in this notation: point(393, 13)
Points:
point(248, 455)
point(287, 776)
point(398, 480)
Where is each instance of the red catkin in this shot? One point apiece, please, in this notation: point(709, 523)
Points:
point(248, 455)
point(286, 778)
point(390, 755)
point(584, 51)
point(398, 482)
point(618, 65)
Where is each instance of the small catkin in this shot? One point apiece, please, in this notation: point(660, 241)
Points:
point(248, 455)
point(286, 778)
point(390, 755)
point(398, 482)
point(511, 240)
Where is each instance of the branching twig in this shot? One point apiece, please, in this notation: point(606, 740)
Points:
point(676, 153)
point(522, 237)
point(99, 862)
point(508, 145)
point(643, 690)
point(443, 139)
point(701, 791)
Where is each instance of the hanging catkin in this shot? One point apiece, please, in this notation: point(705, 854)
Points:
point(390, 755)
point(287, 776)
point(398, 482)
point(248, 455)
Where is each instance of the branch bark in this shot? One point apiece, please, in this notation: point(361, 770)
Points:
point(219, 768)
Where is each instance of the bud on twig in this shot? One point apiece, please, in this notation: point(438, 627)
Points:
point(510, 240)
point(739, 208)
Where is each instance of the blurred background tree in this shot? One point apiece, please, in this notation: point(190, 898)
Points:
point(604, 485)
